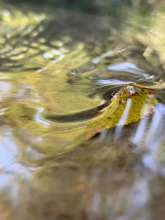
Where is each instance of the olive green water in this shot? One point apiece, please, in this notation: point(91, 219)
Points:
point(57, 70)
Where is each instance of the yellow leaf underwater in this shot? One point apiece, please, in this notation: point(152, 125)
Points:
point(127, 106)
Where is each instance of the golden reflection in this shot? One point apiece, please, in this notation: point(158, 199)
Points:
point(50, 71)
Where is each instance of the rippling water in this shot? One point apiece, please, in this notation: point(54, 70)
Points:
point(59, 70)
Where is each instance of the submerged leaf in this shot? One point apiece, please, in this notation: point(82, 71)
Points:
point(129, 105)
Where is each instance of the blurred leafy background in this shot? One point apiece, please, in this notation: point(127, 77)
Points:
point(92, 6)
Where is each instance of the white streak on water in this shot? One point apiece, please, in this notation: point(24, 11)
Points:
point(38, 117)
point(154, 139)
point(130, 68)
point(141, 129)
point(123, 119)
point(157, 126)
point(113, 82)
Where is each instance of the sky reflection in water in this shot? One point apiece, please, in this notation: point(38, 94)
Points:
point(151, 135)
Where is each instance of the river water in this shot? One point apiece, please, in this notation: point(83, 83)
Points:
point(58, 70)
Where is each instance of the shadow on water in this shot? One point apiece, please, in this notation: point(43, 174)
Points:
point(82, 113)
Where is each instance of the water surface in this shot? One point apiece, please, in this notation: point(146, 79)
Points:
point(58, 70)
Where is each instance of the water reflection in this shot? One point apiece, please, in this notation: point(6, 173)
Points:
point(8, 149)
point(5, 88)
point(10, 154)
point(157, 126)
point(113, 82)
point(150, 134)
point(53, 54)
point(39, 118)
point(13, 173)
point(123, 119)
point(47, 169)
point(130, 68)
